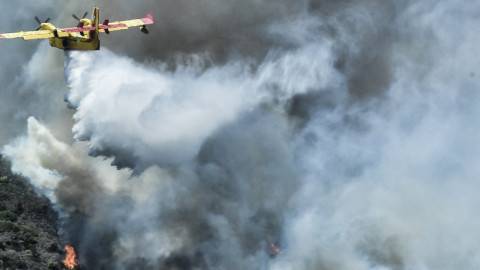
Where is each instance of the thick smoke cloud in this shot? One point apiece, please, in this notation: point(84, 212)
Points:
point(173, 113)
point(222, 29)
point(343, 132)
point(170, 113)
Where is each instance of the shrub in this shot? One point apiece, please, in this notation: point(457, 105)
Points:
point(7, 215)
point(8, 226)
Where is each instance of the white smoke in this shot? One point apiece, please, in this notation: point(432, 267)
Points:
point(162, 113)
point(31, 71)
point(160, 117)
point(354, 145)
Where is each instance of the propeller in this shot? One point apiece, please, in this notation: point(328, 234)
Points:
point(78, 19)
point(39, 22)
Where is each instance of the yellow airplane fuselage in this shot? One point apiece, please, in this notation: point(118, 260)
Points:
point(87, 40)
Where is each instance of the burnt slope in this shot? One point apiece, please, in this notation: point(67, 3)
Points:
point(28, 231)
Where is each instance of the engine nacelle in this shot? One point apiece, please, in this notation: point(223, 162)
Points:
point(144, 29)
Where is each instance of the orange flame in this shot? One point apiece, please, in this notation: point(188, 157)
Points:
point(273, 250)
point(71, 258)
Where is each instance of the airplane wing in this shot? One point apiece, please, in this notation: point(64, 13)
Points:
point(64, 32)
point(27, 35)
point(121, 25)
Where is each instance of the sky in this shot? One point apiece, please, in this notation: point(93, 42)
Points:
point(345, 133)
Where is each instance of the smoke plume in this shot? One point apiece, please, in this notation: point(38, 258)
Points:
point(343, 132)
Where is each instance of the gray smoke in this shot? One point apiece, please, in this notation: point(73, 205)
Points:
point(343, 132)
point(31, 78)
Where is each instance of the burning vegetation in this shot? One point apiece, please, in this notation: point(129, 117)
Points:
point(273, 250)
point(71, 258)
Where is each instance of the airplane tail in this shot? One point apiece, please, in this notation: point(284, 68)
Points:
point(95, 19)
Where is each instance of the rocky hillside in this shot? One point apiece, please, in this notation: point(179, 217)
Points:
point(28, 225)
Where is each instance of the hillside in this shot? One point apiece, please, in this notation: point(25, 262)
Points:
point(28, 225)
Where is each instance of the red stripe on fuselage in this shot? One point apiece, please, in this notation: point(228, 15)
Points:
point(103, 26)
point(2, 37)
point(78, 29)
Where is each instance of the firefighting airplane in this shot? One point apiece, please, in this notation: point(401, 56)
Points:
point(82, 37)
